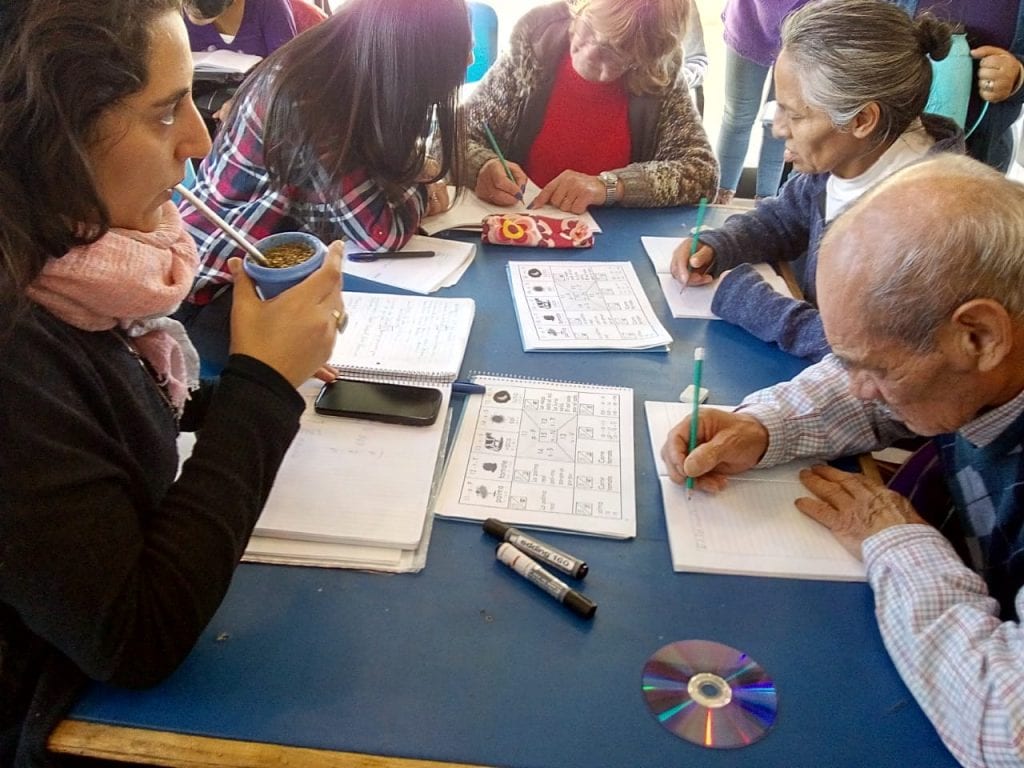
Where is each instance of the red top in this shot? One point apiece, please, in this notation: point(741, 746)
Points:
point(585, 128)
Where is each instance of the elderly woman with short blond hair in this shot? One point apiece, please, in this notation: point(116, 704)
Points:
point(590, 102)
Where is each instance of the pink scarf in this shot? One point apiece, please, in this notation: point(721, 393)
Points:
point(132, 280)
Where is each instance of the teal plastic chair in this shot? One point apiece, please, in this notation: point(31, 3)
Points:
point(484, 22)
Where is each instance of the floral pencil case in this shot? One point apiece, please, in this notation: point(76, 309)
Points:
point(536, 231)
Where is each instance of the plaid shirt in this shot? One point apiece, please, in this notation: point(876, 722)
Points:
point(964, 666)
point(233, 181)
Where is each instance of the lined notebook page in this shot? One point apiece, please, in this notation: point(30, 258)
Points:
point(354, 481)
point(403, 337)
point(694, 300)
point(751, 527)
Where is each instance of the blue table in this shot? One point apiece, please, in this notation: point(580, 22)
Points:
point(467, 663)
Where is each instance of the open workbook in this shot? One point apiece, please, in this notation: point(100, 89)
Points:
point(544, 454)
point(751, 527)
point(407, 338)
point(693, 300)
point(468, 212)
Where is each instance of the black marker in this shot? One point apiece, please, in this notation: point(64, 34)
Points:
point(532, 571)
point(544, 552)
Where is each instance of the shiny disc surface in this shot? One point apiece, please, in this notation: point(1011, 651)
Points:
point(709, 693)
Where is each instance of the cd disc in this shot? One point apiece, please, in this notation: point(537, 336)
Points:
point(709, 693)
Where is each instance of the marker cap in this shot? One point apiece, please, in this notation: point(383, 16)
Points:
point(494, 527)
point(579, 603)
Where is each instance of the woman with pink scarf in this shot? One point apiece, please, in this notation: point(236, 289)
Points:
point(111, 564)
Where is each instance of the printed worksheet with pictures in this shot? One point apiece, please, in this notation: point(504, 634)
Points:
point(544, 454)
point(596, 305)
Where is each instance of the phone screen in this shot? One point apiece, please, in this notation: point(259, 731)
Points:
point(391, 403)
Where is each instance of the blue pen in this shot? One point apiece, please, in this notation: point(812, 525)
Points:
point(467, 388)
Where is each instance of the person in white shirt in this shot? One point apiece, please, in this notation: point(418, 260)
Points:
point(851, 82)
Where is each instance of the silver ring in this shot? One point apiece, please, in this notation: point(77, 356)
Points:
point(986, 85)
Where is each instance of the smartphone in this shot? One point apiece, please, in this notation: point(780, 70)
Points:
point(391, 403)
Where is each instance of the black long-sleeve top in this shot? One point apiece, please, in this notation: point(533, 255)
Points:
point(110, 566)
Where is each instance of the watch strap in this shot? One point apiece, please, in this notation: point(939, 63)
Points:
point(611, 187)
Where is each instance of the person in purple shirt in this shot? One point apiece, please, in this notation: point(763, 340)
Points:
point(751, 33)
point(255, 27)
point(995, 32)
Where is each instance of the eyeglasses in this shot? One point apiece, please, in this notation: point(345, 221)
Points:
point(587, 35)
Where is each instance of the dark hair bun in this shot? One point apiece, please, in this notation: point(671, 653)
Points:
point(935, 36)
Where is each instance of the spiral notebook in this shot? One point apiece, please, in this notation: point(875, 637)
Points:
point(412, 339)
point(544, 454)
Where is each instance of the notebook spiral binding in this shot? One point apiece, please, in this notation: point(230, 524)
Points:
point(365, 373)
point(538, 380)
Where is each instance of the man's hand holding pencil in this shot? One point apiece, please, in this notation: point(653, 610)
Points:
point(727, 444)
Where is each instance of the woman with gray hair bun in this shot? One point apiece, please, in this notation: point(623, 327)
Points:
point(851, 82)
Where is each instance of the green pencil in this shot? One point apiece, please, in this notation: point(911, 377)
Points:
point(698, 364)
point(501, 158)
point(702, 210)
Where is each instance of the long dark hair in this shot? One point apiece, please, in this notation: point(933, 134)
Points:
point(362, 89)
point(62, 65)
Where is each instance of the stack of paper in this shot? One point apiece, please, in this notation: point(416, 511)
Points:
point(752, 527)
point(469, 211)
point(450, 261)
point(335, 502)
point(693, 300)
point(356, 493)
point(596, 305)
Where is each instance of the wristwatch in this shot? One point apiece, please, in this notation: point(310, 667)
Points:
point(611, 187)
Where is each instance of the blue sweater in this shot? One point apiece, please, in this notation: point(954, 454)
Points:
point(788, 227)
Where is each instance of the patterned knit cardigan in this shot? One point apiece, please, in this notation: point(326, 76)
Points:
point(671, 161)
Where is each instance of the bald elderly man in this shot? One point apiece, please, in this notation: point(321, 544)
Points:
point(921, 289)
